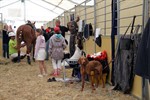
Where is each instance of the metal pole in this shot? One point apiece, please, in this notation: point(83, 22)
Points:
point(64, 18)
point(53, 23)
point(118, 17)
point(105, 18)
point(85, 13)
point(24, 11)
point(75, 15)
point(94, 24)
point(145, 84)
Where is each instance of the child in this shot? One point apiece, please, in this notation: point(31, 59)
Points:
point(40, 53)
point(56, 46)
point(13, 48)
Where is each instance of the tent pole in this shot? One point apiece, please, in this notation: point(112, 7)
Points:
point(24, 11)
point(94, 24)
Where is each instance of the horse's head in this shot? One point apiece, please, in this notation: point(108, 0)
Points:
point(32, 24)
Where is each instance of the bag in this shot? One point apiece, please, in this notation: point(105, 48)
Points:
point(125, 42)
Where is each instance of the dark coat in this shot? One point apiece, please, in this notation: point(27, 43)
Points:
point(142, 67)
point(63, 30)
point(5, 37)
point(88, 30)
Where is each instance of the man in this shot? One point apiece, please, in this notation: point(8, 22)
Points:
point(5, 41)
point(63, 29)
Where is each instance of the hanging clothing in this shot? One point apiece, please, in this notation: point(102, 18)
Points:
point(125, 64)
point(71, 17)
point(143, 57)
point(88, 30)
point(98, 39)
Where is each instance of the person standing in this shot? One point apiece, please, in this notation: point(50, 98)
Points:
point(40, 53)
point(63, 29)
point(47, 34)
point(57, 45)
point(5, 41)
point(10, 29)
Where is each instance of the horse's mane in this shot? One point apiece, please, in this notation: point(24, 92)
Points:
point(30, 25)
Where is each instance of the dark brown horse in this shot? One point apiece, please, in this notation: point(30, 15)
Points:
point(26, 33)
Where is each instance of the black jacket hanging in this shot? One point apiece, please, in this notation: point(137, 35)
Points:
point(142, 67)
point(88, 30)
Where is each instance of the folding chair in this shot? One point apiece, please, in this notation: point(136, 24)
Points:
point(73, 63)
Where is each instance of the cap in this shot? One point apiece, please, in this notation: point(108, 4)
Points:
point(57, 29)
point(12, 34)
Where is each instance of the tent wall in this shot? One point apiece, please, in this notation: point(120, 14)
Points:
point(66, 17)
point(128, 9)
point(61, 18)
point(103, 16)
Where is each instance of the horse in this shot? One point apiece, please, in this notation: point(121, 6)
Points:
point(27, 34)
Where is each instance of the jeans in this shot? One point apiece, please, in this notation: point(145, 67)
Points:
point(47, 48)
point(5, 50)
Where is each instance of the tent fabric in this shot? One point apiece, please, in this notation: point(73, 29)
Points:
point(49, 9)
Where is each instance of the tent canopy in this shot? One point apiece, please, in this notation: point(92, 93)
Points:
point(36, 10)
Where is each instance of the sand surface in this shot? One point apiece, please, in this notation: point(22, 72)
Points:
point(19, 81)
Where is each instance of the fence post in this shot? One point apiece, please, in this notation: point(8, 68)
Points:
point(105, 17)
point(85, 12)
point(94, 24)
point(145, 82)
point(118, 17)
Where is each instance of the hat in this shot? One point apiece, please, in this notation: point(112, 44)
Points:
point(57, 29)
point(12, 34)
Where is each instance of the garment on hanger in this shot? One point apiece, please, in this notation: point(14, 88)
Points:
point(142, 66)
point(88, 30)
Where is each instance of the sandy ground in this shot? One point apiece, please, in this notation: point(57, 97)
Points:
point(19, 81)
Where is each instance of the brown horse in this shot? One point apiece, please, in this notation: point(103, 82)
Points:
point(26, 33)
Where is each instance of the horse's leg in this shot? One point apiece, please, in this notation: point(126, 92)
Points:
point(18, 48)
point(28, 53)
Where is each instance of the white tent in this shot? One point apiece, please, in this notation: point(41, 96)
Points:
point(34, 10)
